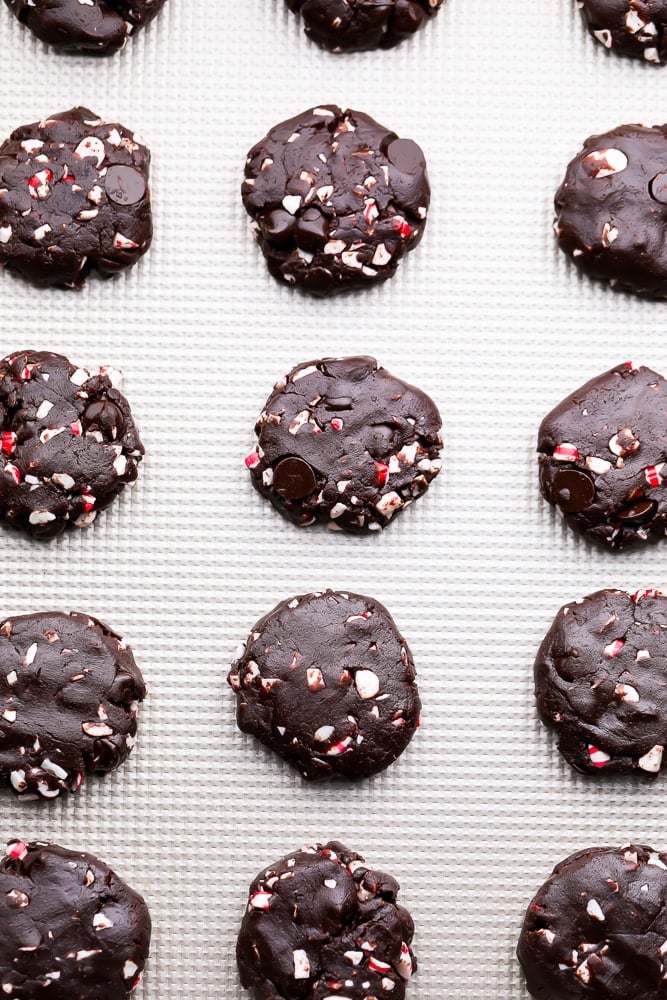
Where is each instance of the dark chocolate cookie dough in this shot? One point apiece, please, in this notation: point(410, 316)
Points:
point(99, 26)
point(597, 929)
point(336, 199)
point(353, 25)
point(629, 27)
point(601, 681)
point(69, 690)
point(71, 928)
point(68, 444)
point(603, 455)
point(327, 681)
point(74, 198)
point(611, 209)
point(321, 924)
point(344, 442)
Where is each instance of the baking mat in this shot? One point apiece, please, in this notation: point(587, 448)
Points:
point(487, 318)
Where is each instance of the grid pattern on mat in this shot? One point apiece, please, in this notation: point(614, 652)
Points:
point(487, 318)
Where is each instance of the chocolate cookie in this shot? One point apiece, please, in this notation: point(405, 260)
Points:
point(344, 442)
point(327, 681)
point(321, 924)
point(336, 199)
point(611, 209)
point(74, 198)
point(70, 690)
point(629, 27)
point(98, 26)
point(354, 25)
point(603, 455)
point(71, 929)
point(67, 440)
point(601, 681)
point(598, 928)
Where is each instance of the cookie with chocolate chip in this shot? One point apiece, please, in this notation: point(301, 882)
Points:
point(601, 682)
point(71, 928)
point(611, 209)
point(336, 199)
point(69, 692)
point(354, 25)
point(96, 26)
point(629, 27)
point(598, 927)
point(68, 443)
point(343, 442)
point(327, 682)
point(603, 457)
point(74, 198)
point(321, 923)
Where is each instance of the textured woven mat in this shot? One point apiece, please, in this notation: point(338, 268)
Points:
point(487, 318)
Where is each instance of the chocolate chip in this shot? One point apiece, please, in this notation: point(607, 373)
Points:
point(105, 416)
point(573, 490)
point(405, 155)
point(278, 226)
point(338, 402)
point(312, 230)
point(124, 185)
point(658, 188)
point(639, 511)
point(293, 479)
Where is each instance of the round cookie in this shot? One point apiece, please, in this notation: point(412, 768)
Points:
point(603, 455)
point(319, 924)
point(629, 27)
point(601, 681)
point(74, 198)
point(68, 444)
point(598, 928)
point(69, 691)
point(71, 928)
point(611, 209)
point(354, 25)
point(336, 199)
point(96, 26)
point(341, 441)
point(327, 681)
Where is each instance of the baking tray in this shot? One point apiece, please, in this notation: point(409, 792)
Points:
point(485, 316)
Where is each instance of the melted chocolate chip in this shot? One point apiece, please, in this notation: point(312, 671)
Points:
point(640, 510)
point(573, 490)
point(294, 479)
point(105, 416)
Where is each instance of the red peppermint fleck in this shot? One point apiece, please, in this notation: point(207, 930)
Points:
point(27, 372)
point(337, 424)
point(566, 452)
point(8, 442)
point(371, 211)
point(252, 460)
point(76, 428)
point(639, 594)
point(11, 470)
point(16, 850)
point(614, 648)
point(598, 757)
point(260, 900)
point(377, 966)
point(88, 501)
point(653, 474)
point(381, 473)
point(401, 226)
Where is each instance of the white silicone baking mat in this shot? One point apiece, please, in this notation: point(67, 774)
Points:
point(489, 319)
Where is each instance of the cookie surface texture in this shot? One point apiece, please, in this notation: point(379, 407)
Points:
point(597, 928)
point(74, 198)
point(629, 27)
point(336, 199)
point(327, 681)
point(97, 26)
point(71, 928)
point(321, 923)
point(68, 443)
point(601, 682)
point(353, 25)
point(603, 455)
point(343, 442)
point(611, 209)
point(70, 690)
